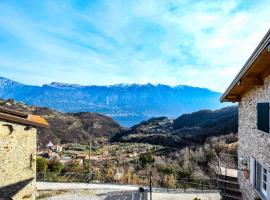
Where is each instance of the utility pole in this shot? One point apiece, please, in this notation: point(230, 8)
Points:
point(150, 184)
point(89, 162)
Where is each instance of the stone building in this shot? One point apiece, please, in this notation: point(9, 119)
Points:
point(251, 88)
point(18, 154)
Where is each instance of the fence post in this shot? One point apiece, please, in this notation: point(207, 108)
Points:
point(202, 185)
point(167, 183)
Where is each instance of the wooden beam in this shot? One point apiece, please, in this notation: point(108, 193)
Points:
point(251, 78)
point(13, 112)
point(233, 96)
point(250, 82)
point(229, 99)
point(21, 120)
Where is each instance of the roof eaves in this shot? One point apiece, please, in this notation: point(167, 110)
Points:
point(13, 112)
point(22, 118)
point(262, 45)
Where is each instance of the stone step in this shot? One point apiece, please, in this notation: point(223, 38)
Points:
point(232, 197)
point(231, 184)
point(231, 189)
point(231, 192)
point(228, 178)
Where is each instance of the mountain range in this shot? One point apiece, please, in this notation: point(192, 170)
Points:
point(128, 104)
point(188, 129)
point(193, 128)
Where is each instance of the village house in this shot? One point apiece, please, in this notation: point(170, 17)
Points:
point(49, 145)
point(54, 147)
point(251, 88)
point(18, 142)
point(57, 148)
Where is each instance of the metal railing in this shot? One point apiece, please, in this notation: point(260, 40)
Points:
point(159, 184)
point(76, 177)
point(225, 161)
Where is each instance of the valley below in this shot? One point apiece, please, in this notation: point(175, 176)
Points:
point(86, 146)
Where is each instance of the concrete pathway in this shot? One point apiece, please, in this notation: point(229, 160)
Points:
point(125, 196)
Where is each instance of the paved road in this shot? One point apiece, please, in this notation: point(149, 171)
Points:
point(83, 186)
point(125, 196)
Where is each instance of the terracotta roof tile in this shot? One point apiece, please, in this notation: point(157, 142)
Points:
point(22, 118)
point(37, 119)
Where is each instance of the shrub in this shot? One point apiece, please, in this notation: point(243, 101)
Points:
point(42, 165)
point(56, 166)
point(146, 159)
point(185, 173)
point(76, 147)
point(168, 170)
point(73, 167)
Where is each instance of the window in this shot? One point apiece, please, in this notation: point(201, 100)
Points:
point(259, 178)
point(263, 117)
point(258, 169)
point(264, 181)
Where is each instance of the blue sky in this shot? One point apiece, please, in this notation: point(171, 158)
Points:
point(191, 42)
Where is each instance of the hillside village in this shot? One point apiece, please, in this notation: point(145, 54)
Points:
point(76, 153)
point(127, 156)
point(134, 100)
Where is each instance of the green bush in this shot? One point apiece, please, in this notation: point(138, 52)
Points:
point(56, 166)
point(185, 173)
point(168, 170)
point(73, 167)
point(42, 165)
point(76, 147)
point(146, 159)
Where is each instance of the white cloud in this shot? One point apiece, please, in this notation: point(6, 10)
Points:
point(199, 43)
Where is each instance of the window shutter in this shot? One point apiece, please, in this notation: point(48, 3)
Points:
point(263, 117)
point(252, 171)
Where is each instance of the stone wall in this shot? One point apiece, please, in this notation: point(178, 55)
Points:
point(17, 161)
point(252, 142)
